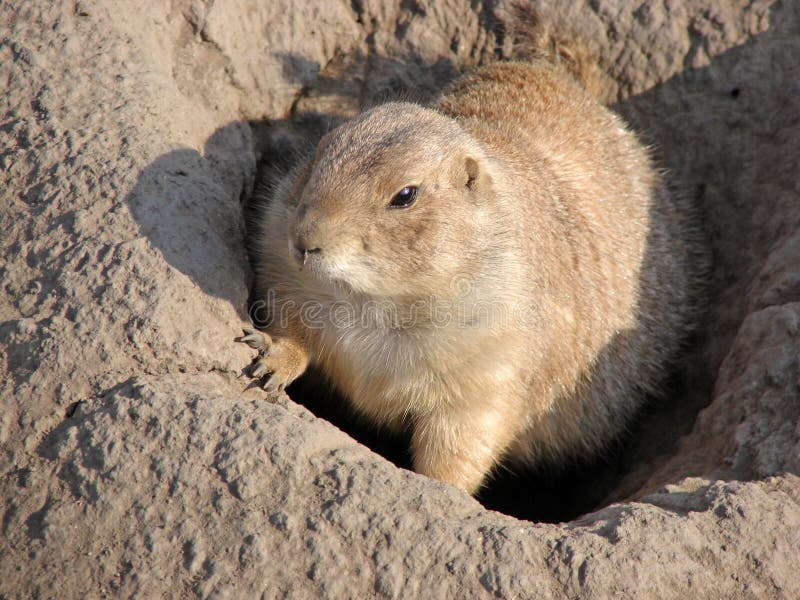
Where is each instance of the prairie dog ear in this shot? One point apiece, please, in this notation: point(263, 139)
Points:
point(473, 172)
point(470, 174)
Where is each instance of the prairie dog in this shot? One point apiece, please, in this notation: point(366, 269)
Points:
point(505, 271)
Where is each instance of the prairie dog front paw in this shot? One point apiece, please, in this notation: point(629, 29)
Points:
point(279, 361)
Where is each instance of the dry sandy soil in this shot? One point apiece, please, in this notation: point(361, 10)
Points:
point(135, 461)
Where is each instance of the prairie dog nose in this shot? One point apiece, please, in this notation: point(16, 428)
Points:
point(301, 248)
point(305, 236)
point(302, 245)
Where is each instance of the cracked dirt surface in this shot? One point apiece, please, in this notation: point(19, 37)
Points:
point(134, 460)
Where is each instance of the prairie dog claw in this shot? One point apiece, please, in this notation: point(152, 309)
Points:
point(259, 369)
point(257, 340)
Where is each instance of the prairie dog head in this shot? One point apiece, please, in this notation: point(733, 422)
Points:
point(394, 203)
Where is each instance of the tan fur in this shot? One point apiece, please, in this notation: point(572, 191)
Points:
point(541, 230)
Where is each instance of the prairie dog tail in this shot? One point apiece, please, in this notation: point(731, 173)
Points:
point(534, 37)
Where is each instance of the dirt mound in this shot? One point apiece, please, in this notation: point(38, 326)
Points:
point(136, 461)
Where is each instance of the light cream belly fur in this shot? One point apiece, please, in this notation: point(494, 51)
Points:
point(395, 375)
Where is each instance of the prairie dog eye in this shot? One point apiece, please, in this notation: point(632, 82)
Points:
point(405, 197)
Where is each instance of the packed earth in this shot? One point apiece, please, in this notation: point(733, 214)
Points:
point(137, 461)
